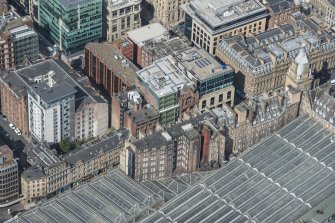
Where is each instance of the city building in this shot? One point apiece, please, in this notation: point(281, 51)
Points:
point(119, 17)
point(143, 122)
point(155, 49)
point(33, 185)
point(188, 149)
point(125, 46)
point(108, 69)
point(14, 102)
point(151, 32)
point(161, 84)
point(325, 8)
point(287, 177)
point(7, 54)
point(214, 81)
point(70, 24)
point(280, 11)
point(259, 117)
point(22, 6)
point(4, 6)
point(54, 102)
point(299, 76)
point(278, 180)
point(149, 158)
point(123, 102)
point(26, 45)
point(18, 41)
point(188, 103)
point(130, 111)
point(51, 110)
point(74, 168)
point(9, 190)
point(261, 62)
point(319, 103)
point(167, 12)
point(183, 148)
point(207, 22)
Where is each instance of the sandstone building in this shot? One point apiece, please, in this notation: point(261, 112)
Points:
point(208, 22)
point(56, 174)
point(167, 12)
point(119, 17)
point(261, 61)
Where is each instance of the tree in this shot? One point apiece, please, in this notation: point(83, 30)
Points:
point(66, 145)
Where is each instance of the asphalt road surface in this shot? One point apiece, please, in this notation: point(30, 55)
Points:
point(16, 143)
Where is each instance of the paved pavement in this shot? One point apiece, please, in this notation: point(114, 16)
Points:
point(14, 141)
point(17, 144)
point(14, 209)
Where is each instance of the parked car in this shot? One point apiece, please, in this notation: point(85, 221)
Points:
point(11, 125)
point(17, 131)
point(4, 117)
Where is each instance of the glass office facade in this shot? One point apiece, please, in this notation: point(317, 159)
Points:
point(71, 24)
point(168, 109)
point(215, 82)
point(25, 44)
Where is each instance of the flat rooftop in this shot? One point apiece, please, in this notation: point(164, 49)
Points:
point(22, 31)
point(278, 180)
point(57, 72)
point(163, 77)
point(51, 94)
point(144, 115)
point(115, 4)
point(224, 14)
point(72, 3)
point(201, 64)
point(153, 141)
point(151, 31)
point(114, 60)
point(11, 25)
point(164, 48)
point(32, 173)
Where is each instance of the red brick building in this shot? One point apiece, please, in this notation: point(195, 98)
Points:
point(280, 12)
point(106, 67)
point(126, 47)
point(14, 101)
point(123, 102)
point(142, 123)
